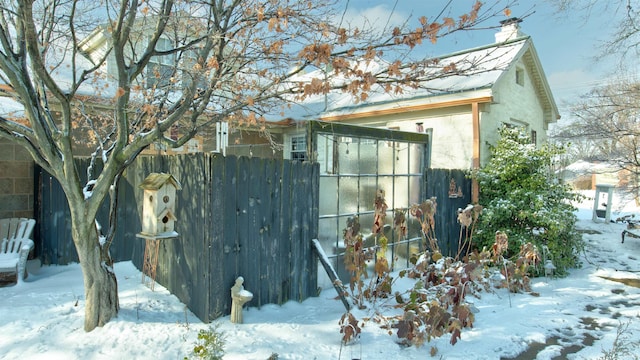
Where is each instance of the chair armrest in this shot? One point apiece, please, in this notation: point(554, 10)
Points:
point(27, 245)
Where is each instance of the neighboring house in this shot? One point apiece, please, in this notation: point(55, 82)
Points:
point(505, 84)
point(584, 175)
point(162, 71)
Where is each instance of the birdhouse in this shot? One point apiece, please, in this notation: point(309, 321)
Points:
point(159, 204)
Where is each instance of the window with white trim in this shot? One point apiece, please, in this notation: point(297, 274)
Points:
point(298, 148)
point(161, 68)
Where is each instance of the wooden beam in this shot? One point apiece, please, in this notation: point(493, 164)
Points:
point(475, 113)
point(406, 109)
point(337, 284)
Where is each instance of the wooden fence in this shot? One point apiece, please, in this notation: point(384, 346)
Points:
point(242, 216)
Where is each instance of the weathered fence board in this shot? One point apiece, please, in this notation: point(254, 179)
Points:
point(273, 228)
point(270, 262)
point(236, 217)
point(286, 213)
point(220, 263)
point(245, 247)
point(447, 228)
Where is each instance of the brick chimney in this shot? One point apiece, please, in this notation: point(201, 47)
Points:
point(510, 29)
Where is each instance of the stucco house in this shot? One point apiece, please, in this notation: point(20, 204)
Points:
point(502, 83)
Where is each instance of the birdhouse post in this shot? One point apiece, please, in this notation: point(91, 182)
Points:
point(158, 219)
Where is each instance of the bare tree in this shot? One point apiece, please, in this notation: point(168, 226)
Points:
point(116, 76)
point(624, 15)
point(607, 119)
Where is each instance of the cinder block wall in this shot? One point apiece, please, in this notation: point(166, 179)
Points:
point(16, 181)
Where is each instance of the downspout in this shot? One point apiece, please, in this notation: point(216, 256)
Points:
point(475, 161)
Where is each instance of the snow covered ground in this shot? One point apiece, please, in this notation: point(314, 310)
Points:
point(576, 317)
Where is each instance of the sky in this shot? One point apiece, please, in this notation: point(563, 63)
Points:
point(566, 42)
point(575, 317)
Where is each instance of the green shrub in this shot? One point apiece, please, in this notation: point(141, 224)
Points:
point(210, 344)
point(524, 199)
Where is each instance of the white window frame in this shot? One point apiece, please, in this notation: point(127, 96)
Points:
point(292, 141)
point(162, 62)
point(163, 44)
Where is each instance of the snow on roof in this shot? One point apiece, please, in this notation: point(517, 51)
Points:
point(476, 71)
point(585, 167)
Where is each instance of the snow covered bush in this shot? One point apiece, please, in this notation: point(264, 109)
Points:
point(523, 198)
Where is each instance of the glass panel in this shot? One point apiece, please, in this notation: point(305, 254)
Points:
point(324, 153)
point(368, 189)
point(401, 193)
point(341, 226)
point(402, 158)
point(415, 190)
point(328, 235)
point(368, 160)
point(347, 155)
point(416, 158)
point(366, 228)
point(413, 228)
point(348, 195)
point(329, 199)
point(366, 223)
point(385, 157)
point(386, 183)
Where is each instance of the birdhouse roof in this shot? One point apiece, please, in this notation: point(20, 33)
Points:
point(157, 180)
point(168, 213)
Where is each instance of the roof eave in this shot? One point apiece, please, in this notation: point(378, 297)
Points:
point(422, 103)
point(546, 89)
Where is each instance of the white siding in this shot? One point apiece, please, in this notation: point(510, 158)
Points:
point(512, 102)
point(452, 138)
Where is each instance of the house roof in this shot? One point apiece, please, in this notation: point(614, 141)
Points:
point(477, 71)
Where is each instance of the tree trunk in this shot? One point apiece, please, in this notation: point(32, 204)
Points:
point(100, 283)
